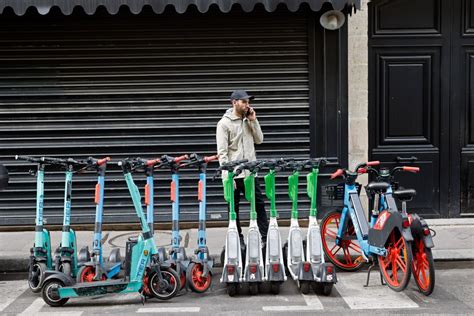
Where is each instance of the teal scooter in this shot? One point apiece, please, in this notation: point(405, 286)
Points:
point(40, 254)
point(95, 267)
point(141, 254)
point(198, 273)
point(65, 259)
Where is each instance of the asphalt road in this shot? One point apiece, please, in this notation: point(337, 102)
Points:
point(453, 295)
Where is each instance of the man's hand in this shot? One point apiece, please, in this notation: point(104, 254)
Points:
point(252, 116)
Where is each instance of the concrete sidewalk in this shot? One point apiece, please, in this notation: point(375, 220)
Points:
point(454, 240)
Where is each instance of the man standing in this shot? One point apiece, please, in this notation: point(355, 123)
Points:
point(237, 132)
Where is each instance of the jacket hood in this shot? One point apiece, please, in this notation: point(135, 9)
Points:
point(230, 115)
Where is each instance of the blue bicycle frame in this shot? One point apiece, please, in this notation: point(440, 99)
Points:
point(353, 208)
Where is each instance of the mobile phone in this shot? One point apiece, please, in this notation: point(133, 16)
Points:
point(248, 113)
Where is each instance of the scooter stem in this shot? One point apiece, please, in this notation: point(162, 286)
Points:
point(293, 193)
point(312, 180)
point(270, 192)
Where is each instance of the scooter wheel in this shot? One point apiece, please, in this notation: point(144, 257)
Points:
point(396, 265)
point(196, 281)
point(36, 276)
point(232, 289)
point(65, 268)
point(50, 293)
point(253, 288)
point(275, 287)
point(304, 287)
point(322, 288)
point(423, 267)
point(86, 274)
point(168, 287)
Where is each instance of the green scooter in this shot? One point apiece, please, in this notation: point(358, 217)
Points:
point(274, 263)
point(164, 282)
point(232, 264)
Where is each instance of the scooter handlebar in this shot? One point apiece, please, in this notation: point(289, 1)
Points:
point(180, 158)
point(28, 158)
point(102, 161)
point(208, 159)
point(411, 169)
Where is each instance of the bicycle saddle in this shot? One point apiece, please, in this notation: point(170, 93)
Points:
point(378, 187)
point(405, 194)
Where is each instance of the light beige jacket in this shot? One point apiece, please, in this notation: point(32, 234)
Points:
point(236, 138)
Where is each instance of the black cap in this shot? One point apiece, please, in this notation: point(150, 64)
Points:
point(241, 95)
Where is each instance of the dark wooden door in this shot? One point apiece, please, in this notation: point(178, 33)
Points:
point(409, 95)
point(462, 87)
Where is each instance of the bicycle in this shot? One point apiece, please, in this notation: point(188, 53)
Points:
point(387, 239)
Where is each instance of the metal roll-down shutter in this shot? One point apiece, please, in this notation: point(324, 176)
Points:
point(144, 85)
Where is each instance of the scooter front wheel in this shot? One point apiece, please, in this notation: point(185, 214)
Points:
point(65, 268)
point(166, 288)
point(423, 267)
point(195, 278)
point(36, 276)
point(50, 293)
point(87, 274)
point(347, 255)
point(396, 265)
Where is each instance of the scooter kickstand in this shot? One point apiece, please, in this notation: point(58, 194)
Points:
point(368, 273)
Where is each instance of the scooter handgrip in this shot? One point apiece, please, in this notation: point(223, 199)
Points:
point(152, 162)
point(100, 162)
point(362, 170)
point(411, 169)
point(338, 173)
point(373, 163)
point(211, 158)
point(180, 158)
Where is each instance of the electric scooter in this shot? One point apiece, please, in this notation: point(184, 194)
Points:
point(294, 248)
point(177, 255)
point(40, 254)
point(95, 268)
point(319, 273)
point(65, 259)
point(232, 263)
point(141, 253)
point(254, 271)
point(198, 273)
point(274, 262)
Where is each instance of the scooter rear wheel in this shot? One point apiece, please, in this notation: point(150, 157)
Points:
point(36, 276)
point(232, 289)
point(324, 288)
point(423, 267)
point(350, 258)
point(253, 288)
point(196, 280)
point(275, 287)
point(50, 293)
point(304, 287)
point(396, 266)
point(168, 288)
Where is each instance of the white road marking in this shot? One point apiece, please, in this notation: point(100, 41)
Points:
point(169, 310)
point(313, 301)
point(10, 290)
point(376, 296)
point(35, 307)
point(296, 308)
